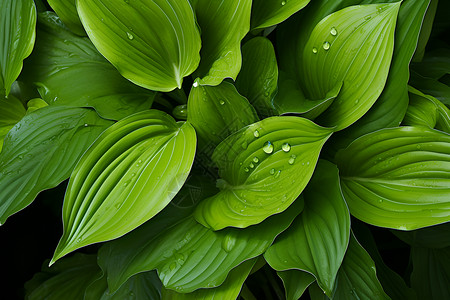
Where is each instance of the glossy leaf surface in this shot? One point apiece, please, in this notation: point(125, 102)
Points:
point(41, 151)
point(263, 168)
point(398, 177)
point(341, 46)
point(154, 44)
point(17, 35)
point(317, 240)
point(11, 112)
point(266, 13)
point(127, 176)
point(295, 282)
point(67, 11)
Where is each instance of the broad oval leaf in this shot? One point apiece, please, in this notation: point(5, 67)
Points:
point(263, 168)
point(187, 255)
point(354, 46)
point(67, 11)
point(60, 57)
point(127, 176)
point(223, 24)
point(11, 112)
point(17, 34)
point(398, 177)
point(317, 240)
point(41, 151)
point(154, 44)
point(266, 13)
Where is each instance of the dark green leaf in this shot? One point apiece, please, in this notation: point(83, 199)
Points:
point(295, 282)
point(11, 112)
point(436, 237)
point(431, 87)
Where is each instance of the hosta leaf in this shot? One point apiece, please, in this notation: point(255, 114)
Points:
point(431, 272)
point(35, 104)
point(216, 112)
point(263, 168)
point(436, 237)
point(67, 11)
point(266, 13)
point(421, 110)
point(144, 285)
point(398, 177)
point(223, 24)
point(41, 151)
point(187, 255)
point(127, 176)
point(425, 31)
point(11, 112)
point(259, 74)
point(435, 64)
point(61, 57)
point(229, 289)
point(67, 279)
point(341, 46)
point(154, 44)
point(17, 34)
point(317, 240)
point(295, 282)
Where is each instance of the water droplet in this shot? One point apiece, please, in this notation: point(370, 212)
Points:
point(307, 163)
point(292, 159)
point(125, 184)
point(130, 36)
point(380, 200)
point(195, 84)
point(256, 133)
point(251, 165)
point(228, 243)
point(277, 174)
point(246, 169)
point(173, 266)
point(272, 171)
point(20, 157)
point(266, 94)
point(418, 147)
point(367, 18)
point(78, 239)
point(133, 174)
point(333, 31)
point(268, 147)
point(283, 3)
point(356, 101)
point(284, 199)
point(286, 147)
point(85, 125)
point(314, 50)
point(139, 161)
point(179, 257)
point(255, 159)
point(222, 102)
point(326, 46)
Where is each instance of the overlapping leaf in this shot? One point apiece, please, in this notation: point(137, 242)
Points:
point(317, 240)
point(343, 45)
point(41, 151)
point(223, 25)
point(11, 112)
point(17, 34)
point(67, 11)
point(295, 282)
point(263, 168)
point(152, 43)
point(127, 176)
point(266, 13)
point(398, 177)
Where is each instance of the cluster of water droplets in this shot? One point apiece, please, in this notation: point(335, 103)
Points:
point(326, 45)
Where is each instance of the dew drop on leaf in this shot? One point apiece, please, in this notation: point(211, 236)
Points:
point(326, 46)
point(222, 102)
point(272, 171)
point(292, 160)
point(333, 31)
point(277, 174)
point(268, 147)
point(172, 266)
point(246, 169)
point(314, 50)
point(283, 3)
point(286, 147)
point(255, 159)
point(130, 36)
point(251, 165)
point(256, 133)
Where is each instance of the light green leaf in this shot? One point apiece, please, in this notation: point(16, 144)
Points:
point(11, 112)
point(216, 112)
point(67, 279)
point(317, 240)
point(61, 57)
point(398, 177)
point(154, 44)
point(17, 34)
point(67, 11)
point(431, 272)
point(295, 282)
point(187, 255)
point(223, 24)
point(266, 13)
point(127, 176)
point(35, 104)
point(421, 110)
point(259, 75)
point(41, 151)
point(229, 289)
point(425, 30)
point(263, 168)
point(340, 46)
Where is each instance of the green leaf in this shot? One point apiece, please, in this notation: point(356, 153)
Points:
point(259, 74)
point(431, 272)
point(398, 177)
point(218, 111)
point(431, 87)
point(266, 13)
point(229, 289)
point(41, 151)
point(295, 282)
point(421, 110)
point(263, 168)
point(11, 112)
point(144, 285)
point(317, 240)
point(340, 46)
point(17, 34)
point(223, 24)
point(154, 44)
point(127, 176)
point(436, 237)
point(61, 57)
point(187, 255)
point(435, 64)
point(67, 11)
point(67, 279)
